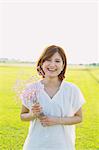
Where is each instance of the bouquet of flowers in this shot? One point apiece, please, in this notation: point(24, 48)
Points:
point(26, 89)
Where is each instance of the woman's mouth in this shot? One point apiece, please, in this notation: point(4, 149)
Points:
point(52, 70)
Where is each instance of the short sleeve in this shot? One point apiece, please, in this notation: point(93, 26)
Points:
point(77, 99)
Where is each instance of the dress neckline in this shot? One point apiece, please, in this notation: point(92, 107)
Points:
point(57, 92)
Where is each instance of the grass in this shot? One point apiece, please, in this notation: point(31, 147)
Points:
point(13, 131)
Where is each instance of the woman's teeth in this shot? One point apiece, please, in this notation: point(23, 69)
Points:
point(51, 69)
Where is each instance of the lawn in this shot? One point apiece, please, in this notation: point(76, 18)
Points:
point(13, 131)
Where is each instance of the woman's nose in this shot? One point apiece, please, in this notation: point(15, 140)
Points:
point(52, 64)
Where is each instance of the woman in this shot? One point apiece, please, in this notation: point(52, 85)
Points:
point(60, 101)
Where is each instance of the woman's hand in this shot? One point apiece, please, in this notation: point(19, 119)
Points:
point(49, 121)
point(36, 109)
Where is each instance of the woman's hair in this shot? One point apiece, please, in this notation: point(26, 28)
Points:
point(48, 53)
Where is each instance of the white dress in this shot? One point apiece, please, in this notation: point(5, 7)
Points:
point(66, 102)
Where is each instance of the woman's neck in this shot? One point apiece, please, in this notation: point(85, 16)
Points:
point(51, 82)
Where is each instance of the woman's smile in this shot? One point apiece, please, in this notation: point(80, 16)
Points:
point(53, 65)
point(51, 70)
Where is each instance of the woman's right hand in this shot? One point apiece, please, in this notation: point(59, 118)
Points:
point(36, 109)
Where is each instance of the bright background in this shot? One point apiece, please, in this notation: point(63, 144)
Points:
point(27, 27)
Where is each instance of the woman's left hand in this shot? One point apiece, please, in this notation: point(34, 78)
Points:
point(49, 121)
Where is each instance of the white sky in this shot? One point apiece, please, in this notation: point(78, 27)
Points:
point(27, 27)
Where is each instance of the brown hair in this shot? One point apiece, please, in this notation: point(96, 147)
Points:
point(48, 53)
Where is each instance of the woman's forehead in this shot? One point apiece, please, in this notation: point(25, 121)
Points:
point(56, 55)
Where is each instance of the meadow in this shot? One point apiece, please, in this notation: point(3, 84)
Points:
point(13, 131)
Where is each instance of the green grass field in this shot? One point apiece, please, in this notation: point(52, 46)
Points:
point(13, 131)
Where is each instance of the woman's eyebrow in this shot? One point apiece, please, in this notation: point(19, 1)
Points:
point(57, 59)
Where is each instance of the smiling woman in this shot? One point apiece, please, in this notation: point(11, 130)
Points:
point(58, 106)
point(51, 56)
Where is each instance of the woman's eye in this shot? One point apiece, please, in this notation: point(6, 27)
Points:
point(48, 60)
point(57, 61)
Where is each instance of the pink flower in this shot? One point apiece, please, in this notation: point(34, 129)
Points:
point(31, 93)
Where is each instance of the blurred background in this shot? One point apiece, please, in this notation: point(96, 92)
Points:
point(26, 28)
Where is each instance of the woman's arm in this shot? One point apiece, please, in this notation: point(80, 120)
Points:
point(26, 115)
point(48, 121)
point(77, 118)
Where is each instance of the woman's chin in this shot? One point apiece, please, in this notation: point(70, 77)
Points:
point(51, 76)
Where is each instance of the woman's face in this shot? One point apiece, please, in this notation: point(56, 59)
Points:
point(53, 66)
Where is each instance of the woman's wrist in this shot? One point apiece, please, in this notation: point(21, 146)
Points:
point(59, 121)
point(32, 115)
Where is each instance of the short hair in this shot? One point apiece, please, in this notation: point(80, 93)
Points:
point(48, 53)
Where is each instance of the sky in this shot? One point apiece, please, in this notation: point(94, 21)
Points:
point(27, 27)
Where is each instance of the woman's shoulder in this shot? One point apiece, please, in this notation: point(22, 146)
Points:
point(70, 85)
point(35, 85)
point(32, 85)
